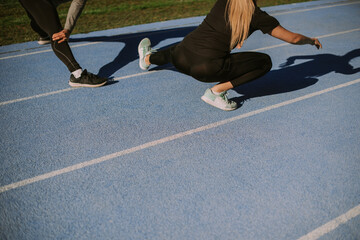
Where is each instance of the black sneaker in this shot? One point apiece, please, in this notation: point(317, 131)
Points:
point(87, 80)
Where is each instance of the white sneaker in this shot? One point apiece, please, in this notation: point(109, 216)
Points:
point(144, 49)
point(219, 101)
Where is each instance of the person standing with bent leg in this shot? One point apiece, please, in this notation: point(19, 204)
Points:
point(205, 53)
point(47, 18)
point(73, 14)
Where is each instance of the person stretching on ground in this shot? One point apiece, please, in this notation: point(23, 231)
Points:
point(205, 54)
point(44, 13)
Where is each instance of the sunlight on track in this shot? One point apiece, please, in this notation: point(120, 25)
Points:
point(168, 139)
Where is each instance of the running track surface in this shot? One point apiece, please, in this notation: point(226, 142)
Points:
point(144, 158)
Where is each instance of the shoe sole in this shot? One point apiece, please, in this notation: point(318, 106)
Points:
point(86, 85)
point(139, 52)
point(43, 42)
point(208, 101)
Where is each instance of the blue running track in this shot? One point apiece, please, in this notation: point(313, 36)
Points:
point(144, 158)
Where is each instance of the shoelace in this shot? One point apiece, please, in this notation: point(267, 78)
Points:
point(93, 77)
point(151, 51)
point(224, 96)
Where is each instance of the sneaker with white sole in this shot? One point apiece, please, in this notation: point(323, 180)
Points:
point(144, 49)
point(219, 101)
point(87, 80)
point(44, 40)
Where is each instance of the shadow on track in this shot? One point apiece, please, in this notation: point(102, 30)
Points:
point(129, 52)
point(292, 77)
point(288, 78)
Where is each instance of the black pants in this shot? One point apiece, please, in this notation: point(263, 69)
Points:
point(44, 13)
point(238, 68)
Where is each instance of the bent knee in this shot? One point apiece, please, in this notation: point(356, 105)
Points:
point(266, 62)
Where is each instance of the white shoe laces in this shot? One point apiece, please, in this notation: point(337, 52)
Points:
point(150, 51)
point(224, 96)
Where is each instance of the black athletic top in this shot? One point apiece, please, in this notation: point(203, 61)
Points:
point(212, 37)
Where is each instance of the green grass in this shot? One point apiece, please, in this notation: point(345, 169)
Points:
point(108, 14)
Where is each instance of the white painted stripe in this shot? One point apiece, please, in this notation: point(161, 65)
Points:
point(270, 47)
point(47, 50)
point(339, 33)
point(68, 89)
point(154, 71)
point(322, 36)
point(315, 8)
point(167, 139)
point(136, 75)
point(25, 54)
point(36, 96)
point(332, 225)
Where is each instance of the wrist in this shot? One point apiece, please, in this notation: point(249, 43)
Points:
point(313, 41)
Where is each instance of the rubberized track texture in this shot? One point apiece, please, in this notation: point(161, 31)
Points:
point(144, 158)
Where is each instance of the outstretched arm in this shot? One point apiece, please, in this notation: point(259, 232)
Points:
point(294, 38)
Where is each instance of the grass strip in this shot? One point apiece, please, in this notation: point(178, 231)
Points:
point(108, 14)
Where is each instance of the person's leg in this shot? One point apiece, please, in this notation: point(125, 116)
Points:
point(188, 63)
point(238, 69)
point(36, 28)
point(46, 17)
point(230, 72)
point(241, 68)
point(148, 56)
point(222, 87)
point(43, 36)
point(200, 68)
point(184, 60)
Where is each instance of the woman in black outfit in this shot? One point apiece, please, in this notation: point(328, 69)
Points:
point(47, 18)
point(205, 53)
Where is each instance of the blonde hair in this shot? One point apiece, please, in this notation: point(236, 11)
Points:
point(239, 14)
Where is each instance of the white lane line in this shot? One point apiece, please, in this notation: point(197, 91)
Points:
point(36, 96)
point(47, 50)
point(332, 225)
point(275, 14)
point(154, 71)
point(137, 74)
point(25, 54)
point(315, 8)
point(339, 33)
point(167, 139)
point(68, 89)
point(322, 36)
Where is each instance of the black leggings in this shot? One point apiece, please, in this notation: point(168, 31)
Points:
point(238, 68)
point(44, 13)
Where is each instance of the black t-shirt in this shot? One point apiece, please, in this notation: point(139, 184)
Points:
point(212, 37)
